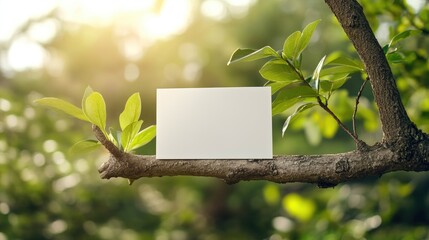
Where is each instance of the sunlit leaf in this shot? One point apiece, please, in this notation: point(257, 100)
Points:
point(84, 146)
point(403, 35)
point(63, 106)
point(289, 46)
point(316, 74)
point(277, 70)
point(131, 111)
point(143, 137)
point(300, 109)
point(345, 61)
point(281, 106)
point(276, 86)
point(336, 77)
point(87, 92)
point(306, 35)
point(247, 55)
point(386, 48)
point(129, 133)
point(301, 208)
point(290, 95)
point(338, 70)
point(115, 137)
point(395, 57)
point(336, 82)
point(95, 110)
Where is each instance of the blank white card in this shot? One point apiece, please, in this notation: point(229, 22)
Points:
point(214, 123)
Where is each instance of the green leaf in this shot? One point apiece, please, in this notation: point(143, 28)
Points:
point(129, 133)
point(84, 146)
point(289, 46)
point(276, 86)
point(292, 94)
point(316, 74)
point(277, 70)
point(87, 92)
point(395, 57)
point(300, 109)
point(247, 55)
point(63, 106)
point(143, 137)
point(95, 110)
point(281, 106)
point(306, 35)
point(345, 61)
point(386, 49)
point(334, 84)
point(115, 137)
point(131, 111)
point(338, 70)
point(403, 35)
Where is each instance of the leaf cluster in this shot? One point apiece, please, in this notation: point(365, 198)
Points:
point(392, 53)
point(288, 81)
point(93, 110)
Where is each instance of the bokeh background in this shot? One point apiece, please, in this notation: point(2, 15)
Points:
point(59, 47)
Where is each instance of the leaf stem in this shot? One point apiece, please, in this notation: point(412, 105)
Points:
point(356, 106)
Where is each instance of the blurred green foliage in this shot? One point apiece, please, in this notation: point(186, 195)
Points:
point(47, 194)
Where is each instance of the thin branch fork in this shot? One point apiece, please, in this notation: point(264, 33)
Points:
point(359, 94)
point(341, 124)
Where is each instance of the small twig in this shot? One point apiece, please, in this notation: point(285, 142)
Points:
point(106, 143)
point(341, 124)
point(356, 106)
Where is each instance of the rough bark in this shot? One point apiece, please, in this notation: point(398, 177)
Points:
point(404, 146)
point(324, 170)
point(394, 119)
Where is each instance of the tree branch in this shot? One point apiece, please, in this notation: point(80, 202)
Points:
point(324, 170)
point(394, 119)
point(404, 147)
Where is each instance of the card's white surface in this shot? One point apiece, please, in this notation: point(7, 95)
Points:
point(214, 123)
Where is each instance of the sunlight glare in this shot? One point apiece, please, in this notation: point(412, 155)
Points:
point(173, 18)
point(25, 54)
point(416, 5)
point(104, 11)
point(141, 16)
point(214, 9)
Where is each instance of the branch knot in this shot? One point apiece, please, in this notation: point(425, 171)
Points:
point(342, 166)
